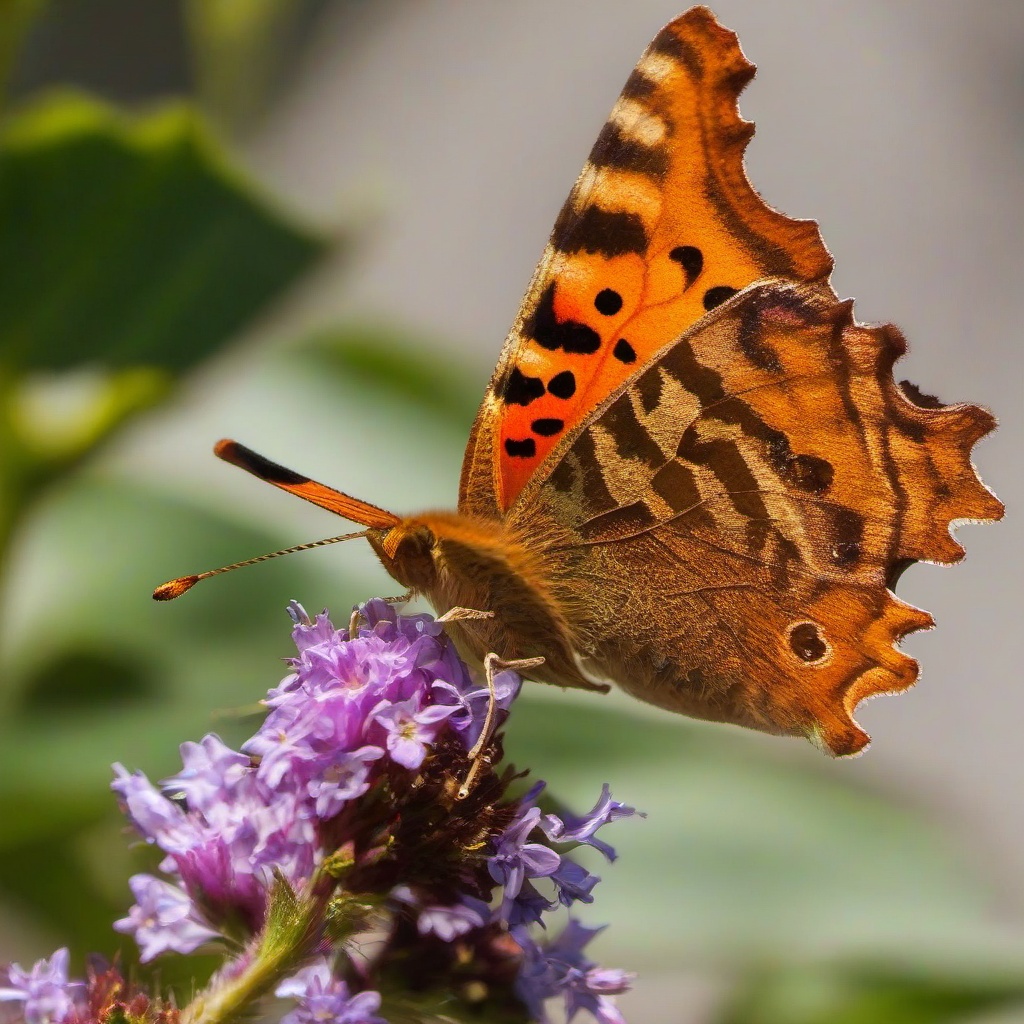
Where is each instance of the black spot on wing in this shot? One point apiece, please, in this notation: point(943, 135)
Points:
point(717, 295)
point(525, 449)
point(547, 427)
point(595, 230)
point(520, 389)
point(608, 302)
point(806, 643)
point(621, 153)
point(562, 385)
point(624, 352)
point(568, 335)
point(691, 259)
point(809, 473)
point(848, 535)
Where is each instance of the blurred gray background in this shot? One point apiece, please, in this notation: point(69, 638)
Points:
point(454, 130)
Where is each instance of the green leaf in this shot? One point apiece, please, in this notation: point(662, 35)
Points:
point(129, 241)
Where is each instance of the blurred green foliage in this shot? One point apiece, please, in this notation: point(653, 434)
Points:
point(133, 251)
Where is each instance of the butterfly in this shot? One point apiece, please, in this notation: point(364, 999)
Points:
point(692, 472)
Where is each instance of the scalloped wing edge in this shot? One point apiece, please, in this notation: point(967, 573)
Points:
point(803, 240)
point(932, 442)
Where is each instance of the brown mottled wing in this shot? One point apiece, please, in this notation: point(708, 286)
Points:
point(728, 521)
point(661, 226)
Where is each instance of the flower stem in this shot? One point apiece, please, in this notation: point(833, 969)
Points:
point(293, 928)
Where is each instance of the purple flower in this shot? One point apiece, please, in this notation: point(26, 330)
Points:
point(472, 702)
point(515, 860)
point(410, 729)
point(233, 824)
point(449, 923)
point(560, 968)
point(571, 828)
point(225, 850)
point(164, 919)
point(324, 998)
point(207, 767)
point(46, 994)
point(345, 785)
point(346, 778)
point(155, 818)
point(573, 883)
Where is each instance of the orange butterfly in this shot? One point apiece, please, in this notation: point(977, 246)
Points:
point(692, 473)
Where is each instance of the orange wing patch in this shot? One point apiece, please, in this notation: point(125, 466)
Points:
point(661, 226)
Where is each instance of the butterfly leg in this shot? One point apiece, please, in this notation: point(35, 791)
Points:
point(492, 664)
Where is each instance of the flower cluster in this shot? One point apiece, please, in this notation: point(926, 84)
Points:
point(347, 811)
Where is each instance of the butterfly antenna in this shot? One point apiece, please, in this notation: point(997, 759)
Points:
point(344, 505)
point(175, 588)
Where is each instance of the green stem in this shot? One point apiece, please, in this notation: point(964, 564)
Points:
point(293, 928)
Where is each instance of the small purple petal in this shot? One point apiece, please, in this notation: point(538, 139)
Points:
point(410, 729)
point(48, 997)
point(574, 883)
point(208, 767)
point(322, 998)
point(157, 819)
point(344, 779)
point(571, 828)
point(164, 919)
point(561, 968)
point(448, 923)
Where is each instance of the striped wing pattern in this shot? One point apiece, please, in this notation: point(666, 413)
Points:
point(768, 479)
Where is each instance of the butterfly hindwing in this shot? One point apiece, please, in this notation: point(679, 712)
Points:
point(661, 226)
point(769, 478)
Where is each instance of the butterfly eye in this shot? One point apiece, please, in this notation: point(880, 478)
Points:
point(807, 643)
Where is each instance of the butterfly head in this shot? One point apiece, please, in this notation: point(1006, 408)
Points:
point(406, 551)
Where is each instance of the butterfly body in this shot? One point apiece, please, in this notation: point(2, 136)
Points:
point(692, 472)
point(462, 561)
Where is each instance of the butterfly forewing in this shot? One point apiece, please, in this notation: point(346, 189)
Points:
point(661, 226)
